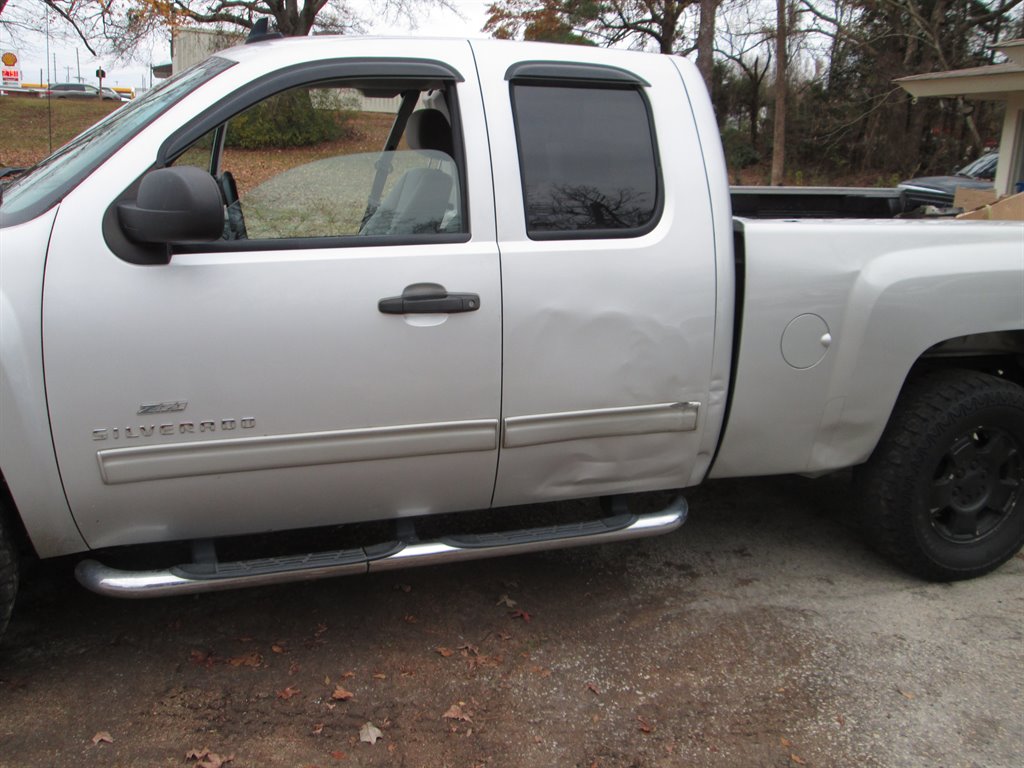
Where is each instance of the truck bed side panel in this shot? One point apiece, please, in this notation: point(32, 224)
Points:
point(884, 293)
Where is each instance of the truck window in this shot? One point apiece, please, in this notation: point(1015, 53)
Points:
point(315, 162)
point(588, 160)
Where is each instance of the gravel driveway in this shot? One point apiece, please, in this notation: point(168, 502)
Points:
point(762, 633)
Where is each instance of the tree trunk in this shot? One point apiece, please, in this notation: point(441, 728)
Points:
point(706, 43)
point(781, 63)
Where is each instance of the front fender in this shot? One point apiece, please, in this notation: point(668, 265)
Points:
point(26, 447)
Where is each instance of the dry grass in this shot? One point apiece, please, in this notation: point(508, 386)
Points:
point(27, 124)
point(251, 167)
point(33, 127)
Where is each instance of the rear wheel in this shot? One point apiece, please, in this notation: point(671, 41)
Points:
point(943, 490)
point(8, 571)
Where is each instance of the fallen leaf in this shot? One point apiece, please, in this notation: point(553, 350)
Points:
point(370, 733)
point(905, 694)
point(446, 652)
point(277, 648)
point(340, 694)
point(785, 742)
point(507, 601)
point(455, 713)
point(643, 725)
point(288, 692)
point(348, 674)
point(798, 760)
point(469, 650)
point(338, 755)
point(593, 689)
point(380, 676)
point(293, 668)
point(519, 614)
point(318, 728)
point(410, 619)
point(393, 747)
point(202, 658)
point(251, 659)
point(841, 720)
point(473, 662)
point(103, 737)
point(207, 759)
point(320, 629)
point(504, 636)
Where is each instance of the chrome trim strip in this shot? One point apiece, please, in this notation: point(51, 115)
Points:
point(137, 584)
point(215, 457)
point(543, 428)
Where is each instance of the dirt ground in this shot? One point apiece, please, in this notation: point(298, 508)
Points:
point(762, 633)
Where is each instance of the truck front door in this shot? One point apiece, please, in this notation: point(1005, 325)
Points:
point(260, 382)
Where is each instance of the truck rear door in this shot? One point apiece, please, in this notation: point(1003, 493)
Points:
point(608, 276)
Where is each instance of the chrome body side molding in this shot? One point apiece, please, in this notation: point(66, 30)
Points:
point(603, 422)
point(157, 462)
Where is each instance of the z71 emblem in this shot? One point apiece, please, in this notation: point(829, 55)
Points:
point(172, 407)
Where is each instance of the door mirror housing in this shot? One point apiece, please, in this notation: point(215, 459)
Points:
point(174, 205)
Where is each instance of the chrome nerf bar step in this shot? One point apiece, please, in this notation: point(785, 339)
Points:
point(209, 575)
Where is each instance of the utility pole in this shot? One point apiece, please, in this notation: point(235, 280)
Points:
point(78, 65)
point(49, 100)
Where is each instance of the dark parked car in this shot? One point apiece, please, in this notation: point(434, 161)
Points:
point(81, 91)
point(940, 190)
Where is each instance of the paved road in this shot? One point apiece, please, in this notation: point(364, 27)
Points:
point(762, 633)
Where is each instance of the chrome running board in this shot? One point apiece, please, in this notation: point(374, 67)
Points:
point(212, 576)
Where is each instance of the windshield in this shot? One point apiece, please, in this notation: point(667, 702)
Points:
point(982, 168)
point(43, 185)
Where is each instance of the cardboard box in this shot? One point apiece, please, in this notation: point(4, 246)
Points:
point(1008, 209)
point(972, 199)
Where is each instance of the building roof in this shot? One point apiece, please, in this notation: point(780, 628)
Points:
point(996, 82)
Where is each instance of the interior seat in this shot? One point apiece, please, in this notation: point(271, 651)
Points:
point(420, 199)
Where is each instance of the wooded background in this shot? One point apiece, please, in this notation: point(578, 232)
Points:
point(803, 89)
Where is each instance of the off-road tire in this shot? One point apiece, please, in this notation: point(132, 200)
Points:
point(943, 492)
point(8, 571)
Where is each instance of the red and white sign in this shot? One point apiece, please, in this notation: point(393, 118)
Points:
point(10, 74)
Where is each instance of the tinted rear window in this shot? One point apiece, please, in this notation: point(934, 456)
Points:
point(588, 161)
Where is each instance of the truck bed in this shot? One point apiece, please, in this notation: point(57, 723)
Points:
point(817, 202)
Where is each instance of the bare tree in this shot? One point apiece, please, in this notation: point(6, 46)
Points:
point(119, 26)
point(781, 88)
point(706, 42)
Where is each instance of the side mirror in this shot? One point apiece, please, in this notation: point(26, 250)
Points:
point(174, 205)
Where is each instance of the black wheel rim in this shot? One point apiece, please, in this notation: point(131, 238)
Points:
point(977, 484)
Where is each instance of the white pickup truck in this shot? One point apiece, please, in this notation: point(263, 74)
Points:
point(349, 286)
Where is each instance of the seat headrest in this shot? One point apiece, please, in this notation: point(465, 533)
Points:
point(429, 129)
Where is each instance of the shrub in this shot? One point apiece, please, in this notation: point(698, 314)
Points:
point(289, 119)
point(739, 153)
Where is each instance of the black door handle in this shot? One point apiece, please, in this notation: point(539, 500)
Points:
point(428, 298)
